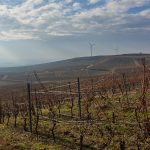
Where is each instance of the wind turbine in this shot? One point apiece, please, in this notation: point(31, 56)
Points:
point(91, 47)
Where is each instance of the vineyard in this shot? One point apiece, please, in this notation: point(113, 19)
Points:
point(110, 111)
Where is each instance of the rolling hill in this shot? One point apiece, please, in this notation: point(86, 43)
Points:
point(71, 68)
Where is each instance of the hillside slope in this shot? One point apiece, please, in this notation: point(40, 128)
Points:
point(82, 66)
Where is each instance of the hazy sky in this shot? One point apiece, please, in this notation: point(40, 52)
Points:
point(37, 31)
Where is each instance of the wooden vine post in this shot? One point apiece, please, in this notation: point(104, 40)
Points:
point(79, 108)
point(79, 99)
point(29, 106)
point(71, 98)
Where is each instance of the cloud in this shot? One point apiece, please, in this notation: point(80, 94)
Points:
point(76, 6)
point(35, 19)
point(68, 1)
point(93, 1)
point(145, 13)
point(116, 6)
point(17, 35)
point(112, 16)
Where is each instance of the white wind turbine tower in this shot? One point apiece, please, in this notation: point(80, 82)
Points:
point(91, 47)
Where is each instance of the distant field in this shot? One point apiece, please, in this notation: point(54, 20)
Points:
point(73, 68)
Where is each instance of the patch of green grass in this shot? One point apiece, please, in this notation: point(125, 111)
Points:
point(11, 139)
